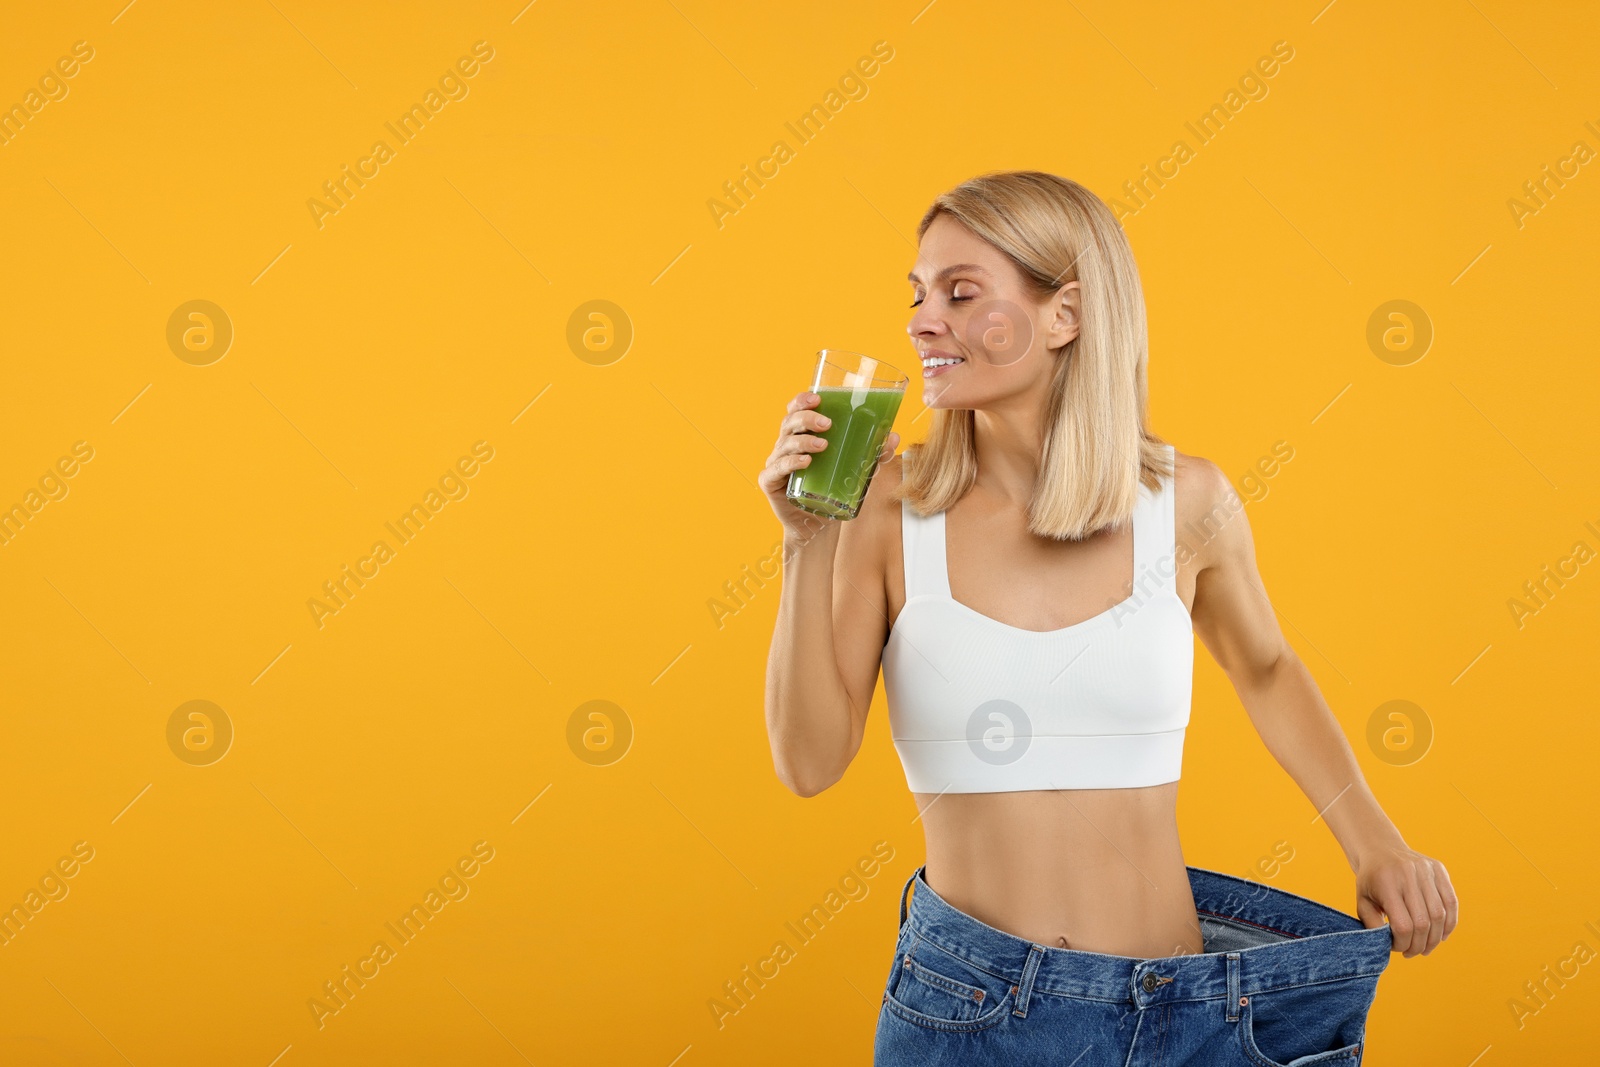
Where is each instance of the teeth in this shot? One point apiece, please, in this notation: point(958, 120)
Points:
point(939, 362)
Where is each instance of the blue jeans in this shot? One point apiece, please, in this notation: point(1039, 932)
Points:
point(1283, 982)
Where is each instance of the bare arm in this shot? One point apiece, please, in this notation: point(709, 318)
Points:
point(827, 641)
point(1236, 622)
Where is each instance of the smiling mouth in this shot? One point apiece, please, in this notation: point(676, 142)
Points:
point(934, 364)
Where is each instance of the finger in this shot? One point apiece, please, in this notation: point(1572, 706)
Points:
point(791, 453)
point(1433, 900)
point(778, 470)
point(1447, 893)
point(803, 421)
point(1369, 912)
point(1390, 900)
point(801, 442)
point(806, 399)
point(1416, 907)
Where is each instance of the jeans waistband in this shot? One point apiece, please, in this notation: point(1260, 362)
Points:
point(1319, 944)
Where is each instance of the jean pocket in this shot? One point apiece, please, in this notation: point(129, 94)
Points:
point(1307, 1026)
point(933, 988)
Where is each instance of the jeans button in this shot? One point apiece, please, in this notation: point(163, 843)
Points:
point(1149, 983)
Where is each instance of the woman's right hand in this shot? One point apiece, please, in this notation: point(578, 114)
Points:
point(797, 441)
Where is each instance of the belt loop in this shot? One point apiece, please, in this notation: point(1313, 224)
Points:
point(1030, 970)
point(1233, 987)
point(903, 893)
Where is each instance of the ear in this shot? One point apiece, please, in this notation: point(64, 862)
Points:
point(1065, 315)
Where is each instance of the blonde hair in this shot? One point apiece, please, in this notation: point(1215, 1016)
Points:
point(1097, 444)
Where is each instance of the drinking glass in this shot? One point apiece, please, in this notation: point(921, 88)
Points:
point(861, 395)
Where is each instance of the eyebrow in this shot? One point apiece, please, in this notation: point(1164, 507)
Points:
point(954, 268)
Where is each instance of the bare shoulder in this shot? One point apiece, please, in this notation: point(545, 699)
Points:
point(880, 514)
point(1209, 512)
point(872, 538)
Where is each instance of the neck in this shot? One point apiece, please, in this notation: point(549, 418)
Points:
point(1009, 440)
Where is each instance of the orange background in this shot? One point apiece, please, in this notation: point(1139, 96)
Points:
point(432, 311)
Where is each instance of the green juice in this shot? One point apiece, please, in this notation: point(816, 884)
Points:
point(836, 480)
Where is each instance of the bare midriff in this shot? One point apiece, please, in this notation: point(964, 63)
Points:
point(1098, 870)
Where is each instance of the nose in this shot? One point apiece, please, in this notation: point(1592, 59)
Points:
point(926, 323)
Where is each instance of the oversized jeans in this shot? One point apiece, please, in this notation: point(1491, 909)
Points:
point(1283, 982)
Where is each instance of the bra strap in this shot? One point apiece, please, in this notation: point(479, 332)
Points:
point(1155, 550)
point(922, 544)
point(1168, 567)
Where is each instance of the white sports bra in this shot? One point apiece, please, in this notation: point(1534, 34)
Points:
point(978, 706)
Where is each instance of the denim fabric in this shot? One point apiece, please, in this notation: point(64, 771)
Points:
point(1283, 982)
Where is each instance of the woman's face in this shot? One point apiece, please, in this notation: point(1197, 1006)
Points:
point(972, 305)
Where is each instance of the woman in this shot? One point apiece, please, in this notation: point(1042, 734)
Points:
point(1038, 687)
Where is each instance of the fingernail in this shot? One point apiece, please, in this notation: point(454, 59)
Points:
point(826, 422)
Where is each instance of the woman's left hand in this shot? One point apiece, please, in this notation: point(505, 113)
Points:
point(1412, 890)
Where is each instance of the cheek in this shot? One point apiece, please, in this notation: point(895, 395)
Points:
point(1000, 333)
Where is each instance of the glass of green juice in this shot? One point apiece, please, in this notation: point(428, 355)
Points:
point(861, 396)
